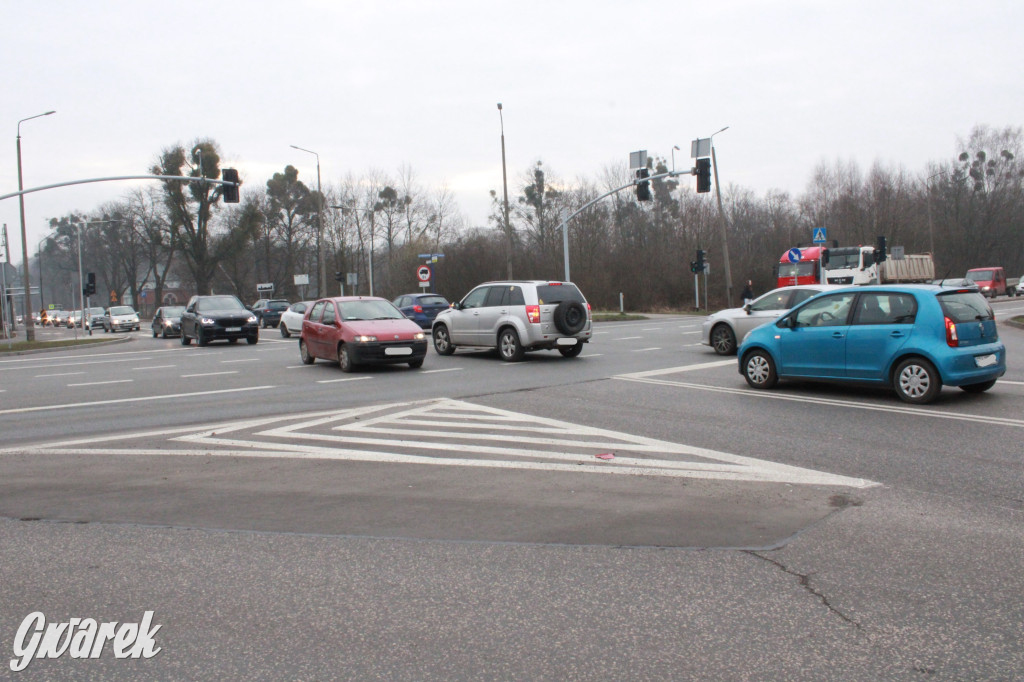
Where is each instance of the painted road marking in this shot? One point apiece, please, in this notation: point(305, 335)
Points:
point(207, 374)
point(445, 432)
point(64, 406)
point(62, 374)
point(335, 381)
point(101, 383)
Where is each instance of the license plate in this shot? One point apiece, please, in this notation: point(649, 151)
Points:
point(986, 360)
point(566, 342)
point(398, 351)
point(233, 329)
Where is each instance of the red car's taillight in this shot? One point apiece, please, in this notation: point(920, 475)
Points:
point(951, 340)
point(533, 313)
point(417, 309)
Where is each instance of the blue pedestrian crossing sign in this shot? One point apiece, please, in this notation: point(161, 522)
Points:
point(818, 235)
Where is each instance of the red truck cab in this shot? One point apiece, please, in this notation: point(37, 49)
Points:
point(805, 271)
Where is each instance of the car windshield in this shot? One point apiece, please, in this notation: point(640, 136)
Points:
point(206, 305)
point(174, 311)
point(369, 310)
point(965, 306)
point(278, 305)
point(122, 310)
point(804, 269)
point(980, 275)
point(843, 261)
point(95, 311)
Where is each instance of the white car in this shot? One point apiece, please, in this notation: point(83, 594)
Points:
point(724, 330)
point(291, 319)
point(121, 318)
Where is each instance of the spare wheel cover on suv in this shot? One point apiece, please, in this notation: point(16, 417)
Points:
point(570, 317)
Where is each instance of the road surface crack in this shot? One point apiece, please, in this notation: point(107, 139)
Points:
point(805, 582)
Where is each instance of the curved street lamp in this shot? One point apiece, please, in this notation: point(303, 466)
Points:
point(30, 332)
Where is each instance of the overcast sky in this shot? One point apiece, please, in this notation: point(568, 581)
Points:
point(379, 85)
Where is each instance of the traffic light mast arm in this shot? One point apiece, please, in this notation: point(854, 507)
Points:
point(118, 177)
point(619, 189)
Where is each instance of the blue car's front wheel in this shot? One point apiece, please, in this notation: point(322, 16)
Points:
point(759, 369)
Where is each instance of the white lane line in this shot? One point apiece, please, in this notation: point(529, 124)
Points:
point(673, 370)
point(592, 355)
point(627, 338)
point(651, 329)
point(145, 369)
point(644, 350)
point(101, 383)
point(297, 366)
point(693, 332)
point(435, 371)
point(224, 362)
point(43, 408)
point(207, 374)
point(62, 374)
point(335, 381)
point(919, 412)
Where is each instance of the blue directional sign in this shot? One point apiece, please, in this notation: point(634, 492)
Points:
point(794, 255)
point(818, 235)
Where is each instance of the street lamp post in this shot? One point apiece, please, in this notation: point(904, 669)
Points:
point(319, 224)
point(504, 184)
point(721, 214)
point(30, 332)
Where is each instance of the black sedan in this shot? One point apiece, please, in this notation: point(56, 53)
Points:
point(167, 321)
point(208, 318)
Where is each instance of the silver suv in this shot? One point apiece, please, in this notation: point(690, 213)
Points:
point(515, 317)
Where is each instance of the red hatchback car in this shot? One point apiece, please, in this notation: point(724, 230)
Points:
point(356, 330)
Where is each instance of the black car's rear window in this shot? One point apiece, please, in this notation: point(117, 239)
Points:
point(965, 306)
point(278, 305)
point(549, 294)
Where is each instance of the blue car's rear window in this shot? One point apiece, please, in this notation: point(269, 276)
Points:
point(965, 306)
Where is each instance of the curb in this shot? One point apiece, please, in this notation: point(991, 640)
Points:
point(36, 351)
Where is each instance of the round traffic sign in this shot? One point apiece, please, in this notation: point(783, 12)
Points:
point(423, 273)
point(794, 255)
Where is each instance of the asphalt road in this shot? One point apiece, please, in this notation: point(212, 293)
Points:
point(455, 522)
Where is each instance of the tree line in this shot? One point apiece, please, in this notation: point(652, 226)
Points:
point(968, 210)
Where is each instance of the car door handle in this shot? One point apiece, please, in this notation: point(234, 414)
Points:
point(896, 334)
point(837, 335)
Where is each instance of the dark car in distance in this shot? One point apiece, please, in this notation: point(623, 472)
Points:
point(167, 321)
point(421, 308)
point(268, 310)
point(209, 318)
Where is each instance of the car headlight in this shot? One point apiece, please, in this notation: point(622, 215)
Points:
point(419, 337)
point(365, 339)
point(168, 323)
point(207, 320)
point(252, 318)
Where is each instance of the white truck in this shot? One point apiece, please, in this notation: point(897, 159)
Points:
point(856, 265)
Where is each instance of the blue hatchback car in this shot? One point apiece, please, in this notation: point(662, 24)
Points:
point(421, 308)
point(912, 338)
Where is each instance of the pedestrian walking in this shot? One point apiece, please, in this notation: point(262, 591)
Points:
point(748, 292)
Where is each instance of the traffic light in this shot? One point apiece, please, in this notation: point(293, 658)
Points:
point(90, 284)
point(230, 192)
point(824, 256)
point(700, 260)
point(643, 187)
point(880, 249)
point(693, 267)
point(339, 277)
point(703, 175)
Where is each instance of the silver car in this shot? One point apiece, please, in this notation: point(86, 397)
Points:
point(722, 330)
point(515, 317)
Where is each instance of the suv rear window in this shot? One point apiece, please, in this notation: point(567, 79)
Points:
point(551, 294)
point(278, 305)
point(965, 306)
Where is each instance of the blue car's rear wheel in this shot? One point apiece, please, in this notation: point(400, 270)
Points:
point(916, 381)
